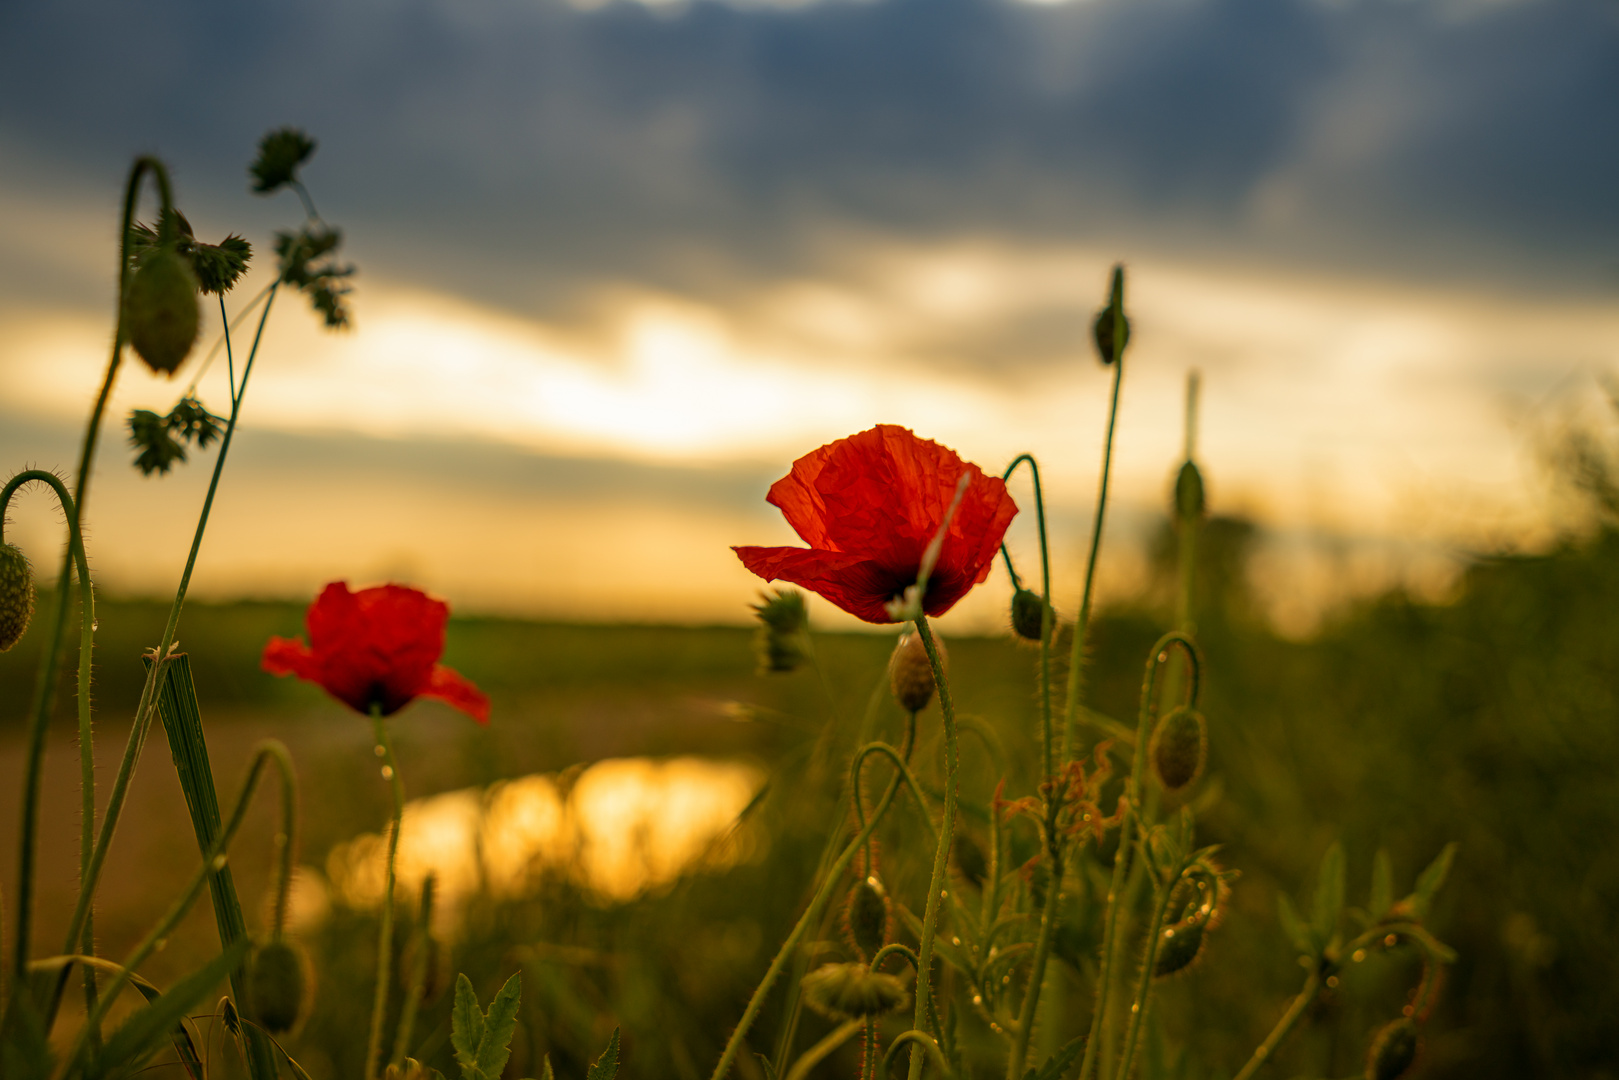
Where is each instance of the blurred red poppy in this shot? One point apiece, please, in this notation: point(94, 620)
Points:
point(868, 506)
point(376, 647)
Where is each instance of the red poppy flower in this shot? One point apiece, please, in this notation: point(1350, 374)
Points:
point(379, 647)
point(868, 506)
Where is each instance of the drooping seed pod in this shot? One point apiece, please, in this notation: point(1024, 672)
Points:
point(1179, 746)
point(160, 310)
point(1393, 1050)
point(1027, 612)
point(909, 673)
point(277, 986)
point(848, 991)
point(16, 595)
point(1189, 493)
point(866, 917)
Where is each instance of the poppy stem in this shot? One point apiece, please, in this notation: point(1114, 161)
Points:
point(1130, 810)
point(43, 687)
point(379, 1004)
point(73, 509)
point(1076, 663)
point(937, 885)
point(811, 916)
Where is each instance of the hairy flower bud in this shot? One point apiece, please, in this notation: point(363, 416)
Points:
point(16, 595)
point(866, 917)
point(1179, 746)
point(1393, 1050)
point(1179, 944)
point(277, 986)
point(160, 310)
point(1189, 493)
point(781, 642)
point(1027, 612)
point(1102, 333)
point(910, 674)
point(847, 991)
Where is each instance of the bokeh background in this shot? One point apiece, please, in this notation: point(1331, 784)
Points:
point(620, 263)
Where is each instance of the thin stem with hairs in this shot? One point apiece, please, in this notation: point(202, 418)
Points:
point(937, 883)
point(385, 934)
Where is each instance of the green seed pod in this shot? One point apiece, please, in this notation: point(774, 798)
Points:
point(1393, 1050)
point(1027, 611)
point(1102, 332)
point(160, 310)
point(866, 917)
point(1179, 746)
point(847, 991)
point(909, 673)
point(16, 595)
point(1189, 493)
point(277, 986)
point(1179, 944)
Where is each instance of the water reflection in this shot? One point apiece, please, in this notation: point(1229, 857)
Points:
point(618, 829)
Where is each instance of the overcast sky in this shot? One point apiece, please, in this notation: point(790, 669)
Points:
point(707, 233)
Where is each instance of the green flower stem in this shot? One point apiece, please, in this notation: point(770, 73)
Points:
point(810, 917)
point(146, 710)
point(927, 1048)
point(379, 1003)
point(937, 884)
point(1434, 955)
point(1284, 1027)
point(794, 1005)
point(44, 687)
point(418, 971)
point(1048, 907)
point(213, 861)
point(1149, 956)
point(819, 1052)
point(1076, 661)
point(1131, 799)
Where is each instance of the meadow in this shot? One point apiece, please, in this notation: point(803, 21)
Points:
point(1487, 720)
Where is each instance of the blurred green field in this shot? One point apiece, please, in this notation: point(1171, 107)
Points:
point(1491, 720)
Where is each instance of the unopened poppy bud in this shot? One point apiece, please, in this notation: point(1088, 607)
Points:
point(160, 310)
point(1178, 748)
point(848, 991)
point(781, 641)
point(277, 986)
point(1027, 612)
point(910, 674)
point(1102, 332)
point(16, 595)
point(1393, 1050)
point(1189, 493)
point(866, 917)
point(1179, 944)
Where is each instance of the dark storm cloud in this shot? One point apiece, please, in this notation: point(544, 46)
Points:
point(517, 148)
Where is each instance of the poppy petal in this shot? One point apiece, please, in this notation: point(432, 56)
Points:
point(457, 691)
point(289, 656)
point(858, 585)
